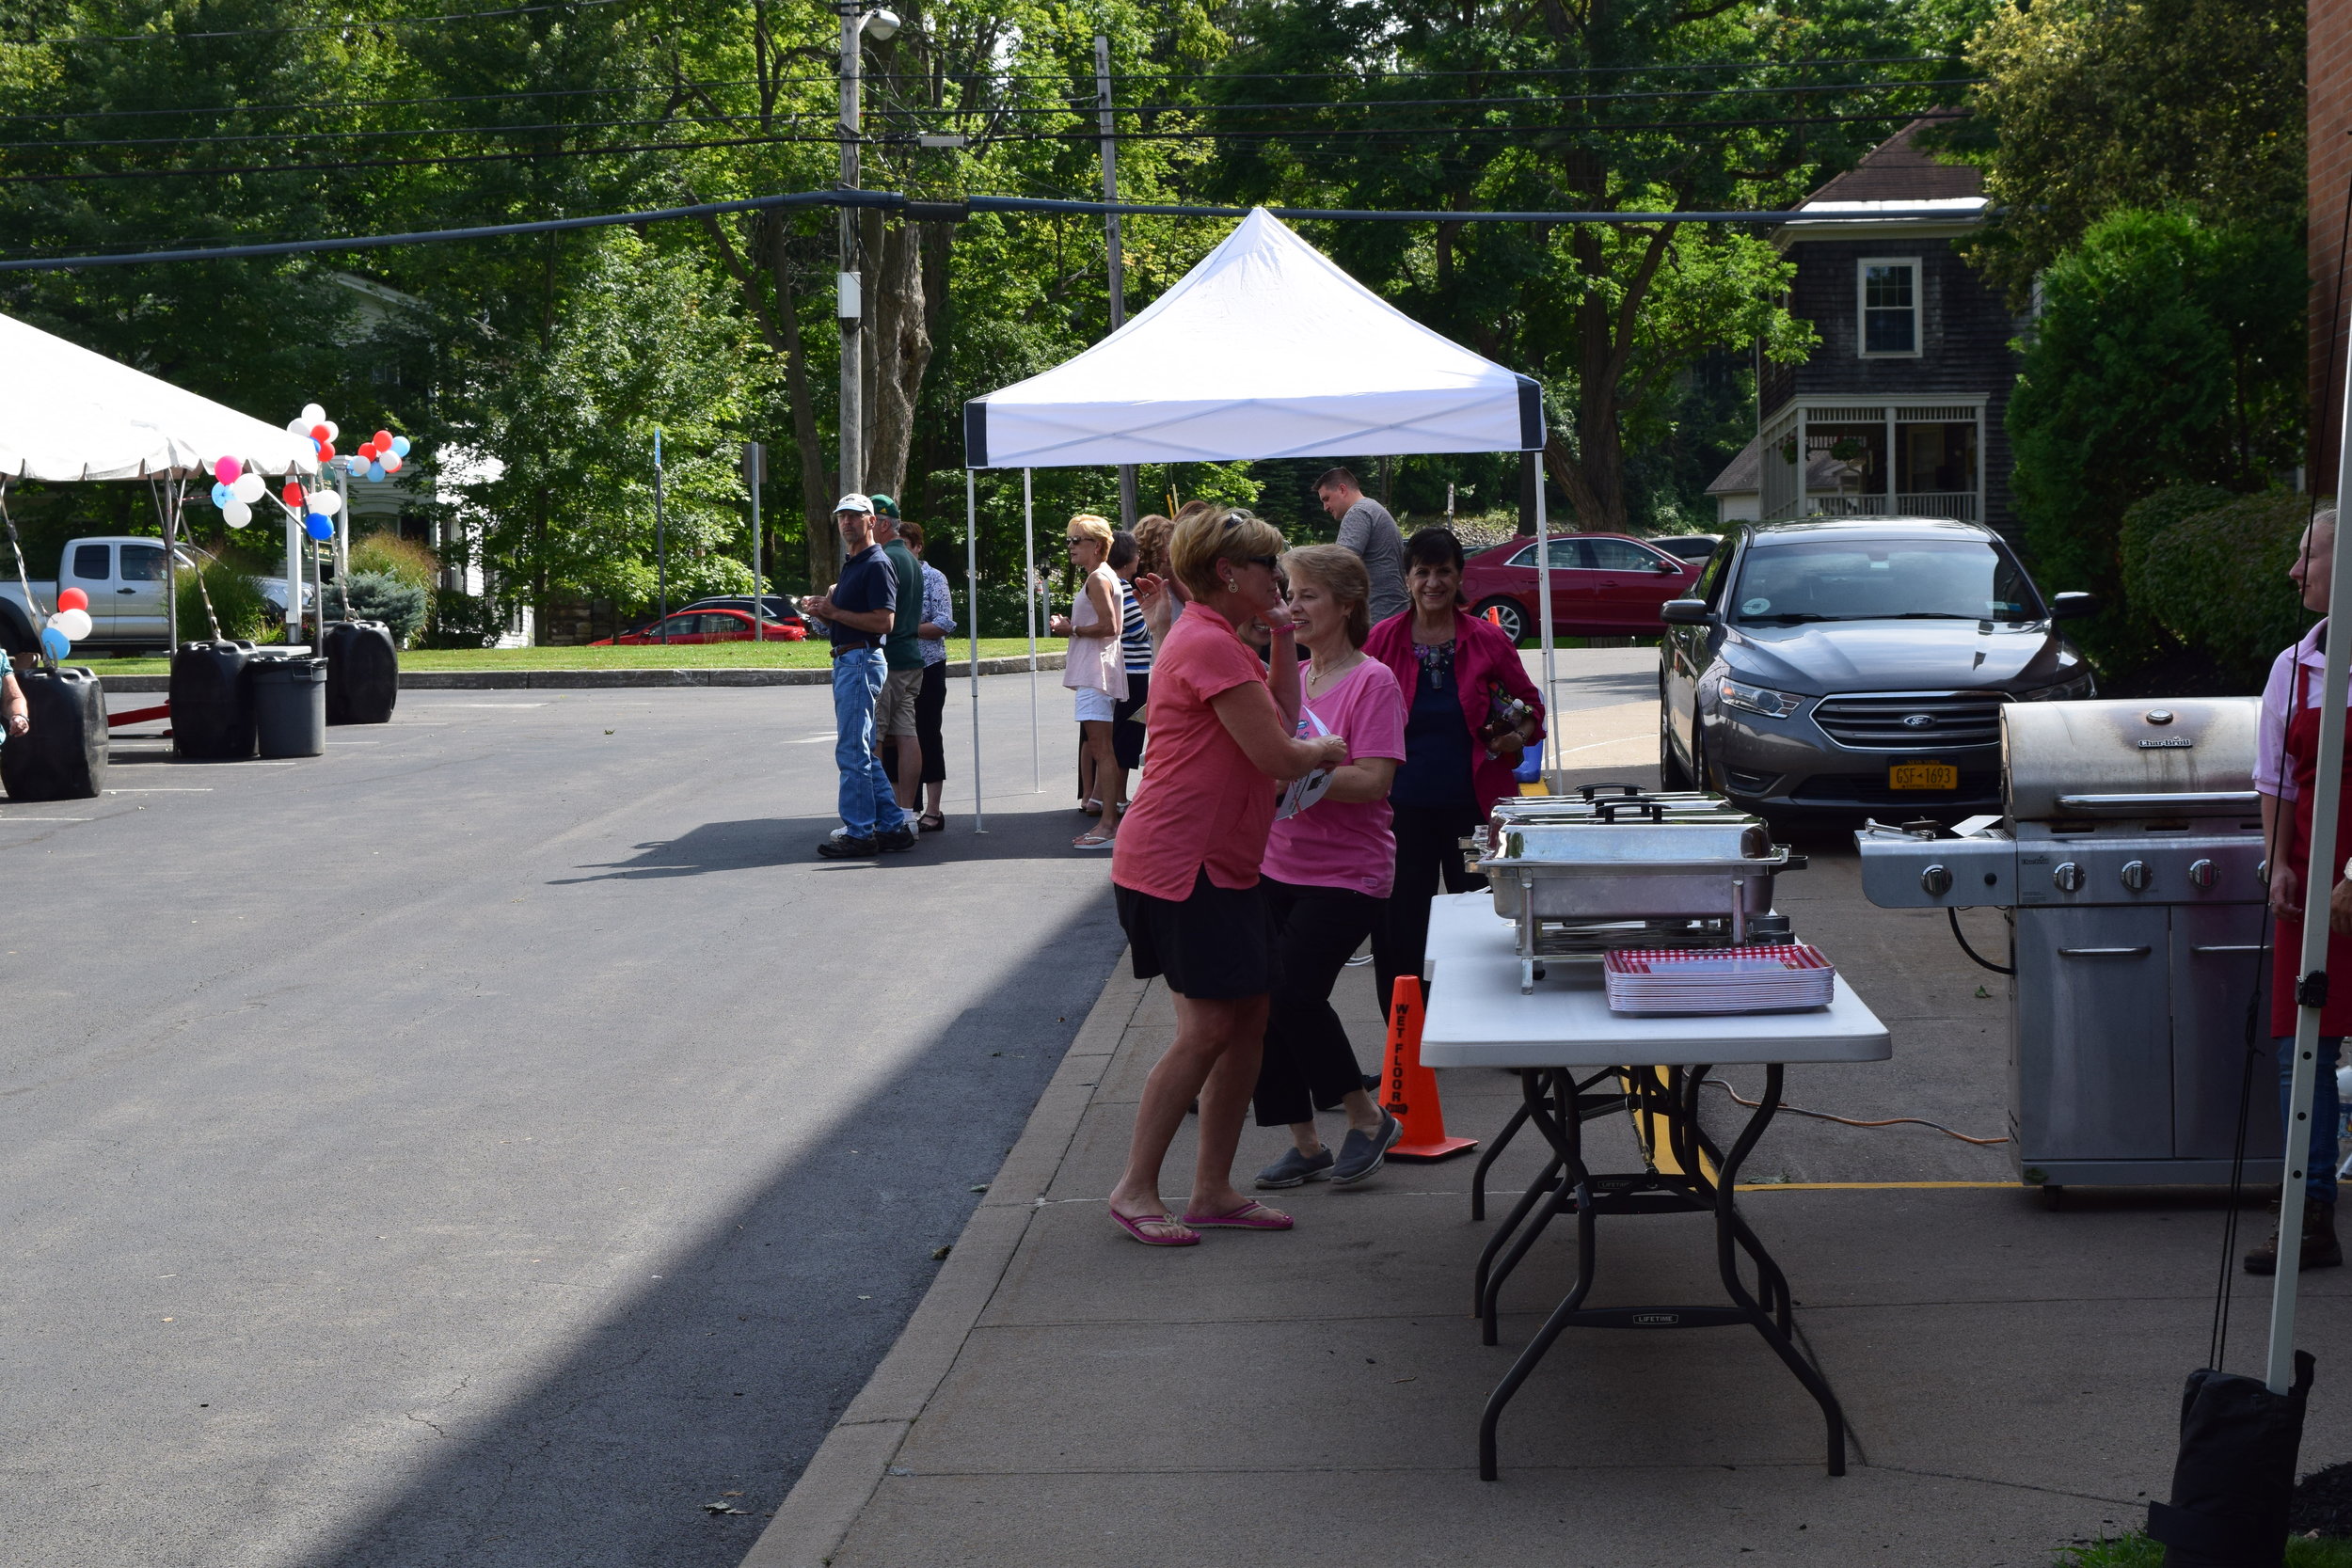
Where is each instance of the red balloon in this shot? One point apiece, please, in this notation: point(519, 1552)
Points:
point(327, 451)
point(293, 493)
point(73, 599)
point(383, 440)
point(318, 433)
point(367, 450)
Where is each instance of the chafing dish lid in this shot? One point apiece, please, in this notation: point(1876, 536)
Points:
point(1630, 844)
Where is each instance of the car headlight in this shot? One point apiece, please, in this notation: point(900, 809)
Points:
point(1757, 698)
point(2082, 686)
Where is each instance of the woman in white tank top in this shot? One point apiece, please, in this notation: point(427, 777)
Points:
point(1095, 667)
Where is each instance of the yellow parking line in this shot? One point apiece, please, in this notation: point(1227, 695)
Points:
point(1866, 1186)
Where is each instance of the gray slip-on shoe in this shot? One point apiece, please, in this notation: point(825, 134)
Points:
point(1294, 1169)
point(1363, 1153)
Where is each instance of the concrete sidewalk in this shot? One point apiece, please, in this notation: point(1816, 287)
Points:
point(2011, 1374)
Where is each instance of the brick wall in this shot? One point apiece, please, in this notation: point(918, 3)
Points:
point(2328, 120)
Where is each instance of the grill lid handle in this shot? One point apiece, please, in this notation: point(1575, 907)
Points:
point(1631, 791)
point(2174, 800)
point(1607, 810)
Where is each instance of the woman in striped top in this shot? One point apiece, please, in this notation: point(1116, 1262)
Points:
point(1135, 639)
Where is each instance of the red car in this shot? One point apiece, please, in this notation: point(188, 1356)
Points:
point(1602, 585)
point(702, 625)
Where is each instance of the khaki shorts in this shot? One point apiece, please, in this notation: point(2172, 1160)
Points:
point(894, 712)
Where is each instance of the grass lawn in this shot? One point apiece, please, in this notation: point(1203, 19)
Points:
point(755, 655)
point(2137, 1551)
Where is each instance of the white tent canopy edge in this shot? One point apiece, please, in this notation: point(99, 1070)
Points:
point(1266, 349)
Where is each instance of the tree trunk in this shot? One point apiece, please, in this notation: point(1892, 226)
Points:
point(902, 352)
point(823, 552)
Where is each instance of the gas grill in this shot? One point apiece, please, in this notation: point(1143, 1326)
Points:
point(2128, 861)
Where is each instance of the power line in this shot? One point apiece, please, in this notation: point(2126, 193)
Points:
point(350, 25)
point(325, 167)
point(327, 106)
point(8, 147)
point(917, 210)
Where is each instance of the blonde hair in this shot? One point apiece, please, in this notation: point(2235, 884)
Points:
point(1151, 533)
point(1086, 525)
point(1217, 533)
point(1339, 572)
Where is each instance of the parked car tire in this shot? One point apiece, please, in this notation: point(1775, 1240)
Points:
point(1514, 616)
point(1671, 773)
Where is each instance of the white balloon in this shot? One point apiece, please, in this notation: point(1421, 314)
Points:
point(236, 514)
point(312, 414)
point(326, 502)
point(76, 624)
point(333, 430)
point(297, 427)
point(390, 462)
point(248, 487)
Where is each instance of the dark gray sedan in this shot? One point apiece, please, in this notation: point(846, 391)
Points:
point(1857, 663)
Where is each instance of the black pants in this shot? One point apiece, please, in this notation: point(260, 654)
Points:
point(1308, 1055)
point(930, 706)
point(1428, 853)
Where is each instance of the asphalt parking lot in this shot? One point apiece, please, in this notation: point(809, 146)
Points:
point(499, 1140)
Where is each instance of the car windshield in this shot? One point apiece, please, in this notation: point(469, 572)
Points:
point(1879, 579)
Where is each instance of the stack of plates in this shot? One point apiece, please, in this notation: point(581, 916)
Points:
point(1782, 977)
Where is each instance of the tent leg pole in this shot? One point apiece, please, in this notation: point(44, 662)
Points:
point(972, 611)
point(1543, 600)
point(1029, 558)
point(2319, 881)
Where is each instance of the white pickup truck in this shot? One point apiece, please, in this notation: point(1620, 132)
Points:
point(123, 576)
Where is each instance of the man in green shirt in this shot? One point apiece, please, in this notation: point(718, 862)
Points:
point(902, 657)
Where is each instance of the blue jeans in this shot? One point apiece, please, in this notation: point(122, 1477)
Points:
point(868, 804)
point(2319, 1183)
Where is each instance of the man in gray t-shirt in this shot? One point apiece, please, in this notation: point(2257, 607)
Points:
point(1366, 528)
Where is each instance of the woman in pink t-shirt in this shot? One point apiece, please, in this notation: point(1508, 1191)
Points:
point(1184, 867)
point(1327, 871)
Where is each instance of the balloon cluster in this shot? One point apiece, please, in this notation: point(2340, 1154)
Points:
point(234, 491)
point(381, 454)
point(69, 625)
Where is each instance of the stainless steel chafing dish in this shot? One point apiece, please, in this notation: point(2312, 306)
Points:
point(1580, 876)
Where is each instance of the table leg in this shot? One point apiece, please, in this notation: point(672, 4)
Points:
point(1577, 1181)
point(1495, 1147)
point(1728, 1230)
point(1549, 1197)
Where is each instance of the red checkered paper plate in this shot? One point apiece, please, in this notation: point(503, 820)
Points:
point(1772, 978)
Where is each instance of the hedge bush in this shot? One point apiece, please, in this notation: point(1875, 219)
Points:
point(381, 596)
point(238, 604)
point(2211, 569)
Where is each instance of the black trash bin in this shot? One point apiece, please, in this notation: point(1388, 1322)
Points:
point(289, 705)
point(362, 672)
point(62, 756)
point(212, 703)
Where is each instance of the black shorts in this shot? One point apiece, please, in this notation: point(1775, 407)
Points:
point(1127, 720)
point(1216, 946)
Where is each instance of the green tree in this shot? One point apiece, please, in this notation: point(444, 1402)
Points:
point(2169, 350)
point(2191, 106)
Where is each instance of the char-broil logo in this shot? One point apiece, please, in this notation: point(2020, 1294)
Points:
point(1917, 720)
point(2169, 744)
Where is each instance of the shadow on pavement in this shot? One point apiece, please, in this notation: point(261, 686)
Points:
point(716, 1384)
point(758, 843)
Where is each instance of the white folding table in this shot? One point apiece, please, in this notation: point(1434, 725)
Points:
point(1652, 1065)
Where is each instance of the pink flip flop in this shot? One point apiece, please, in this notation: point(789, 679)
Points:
point(1251, 1216)
point(1134, 1227)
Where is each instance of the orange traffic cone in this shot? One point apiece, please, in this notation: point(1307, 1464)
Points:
point(1411, 1089)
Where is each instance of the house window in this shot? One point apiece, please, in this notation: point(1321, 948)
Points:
point(1890, 307)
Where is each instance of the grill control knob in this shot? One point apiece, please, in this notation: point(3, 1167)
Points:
point(2135, 875)
point(2203, 874)
point(2067, 877)
point(1937, 880)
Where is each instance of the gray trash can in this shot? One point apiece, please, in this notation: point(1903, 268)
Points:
point(290, 706)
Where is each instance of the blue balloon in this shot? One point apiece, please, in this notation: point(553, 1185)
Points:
point(54, 642)
point(375, 470)
point(222, 496)
point(400, 447)
point(319, 526)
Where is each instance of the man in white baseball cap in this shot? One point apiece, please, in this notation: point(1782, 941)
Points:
point(857, 615)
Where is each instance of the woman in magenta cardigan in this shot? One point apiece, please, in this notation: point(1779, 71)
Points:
point(1455, 670)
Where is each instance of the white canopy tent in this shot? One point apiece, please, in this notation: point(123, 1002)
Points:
point(1266, 349)
point(69, 415)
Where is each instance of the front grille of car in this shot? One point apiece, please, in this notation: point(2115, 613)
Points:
point(1873, 789)
point(1911, 720)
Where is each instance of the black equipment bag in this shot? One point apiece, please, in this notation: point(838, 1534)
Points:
point(2236, 1473)
point(63, 754)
